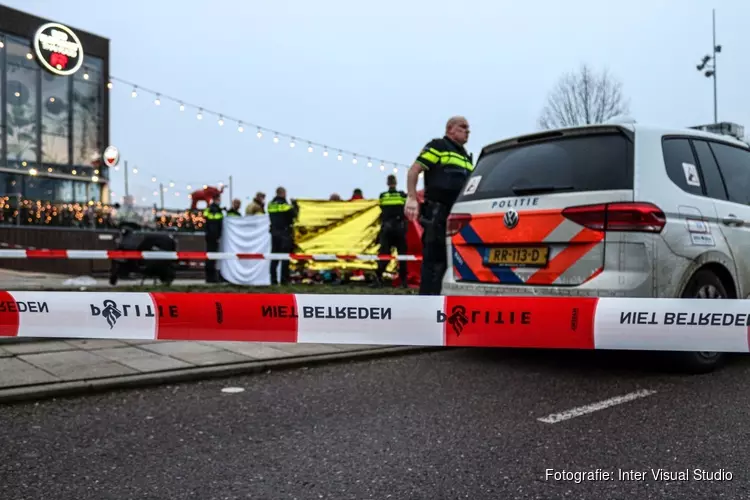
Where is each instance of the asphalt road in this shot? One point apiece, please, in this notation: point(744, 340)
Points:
point(445, 425)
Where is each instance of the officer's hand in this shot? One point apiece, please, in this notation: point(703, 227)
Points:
point(411, 209)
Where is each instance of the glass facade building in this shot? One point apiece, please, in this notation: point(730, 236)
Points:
point(54, 126)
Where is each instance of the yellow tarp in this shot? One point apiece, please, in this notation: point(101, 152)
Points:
point(339, 227)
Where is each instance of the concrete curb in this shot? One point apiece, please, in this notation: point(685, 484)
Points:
point(72, 388)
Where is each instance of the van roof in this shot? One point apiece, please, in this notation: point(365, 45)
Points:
point(630, 127)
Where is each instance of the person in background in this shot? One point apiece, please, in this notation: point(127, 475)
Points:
point(335, 197)
point(282, 215)
point(256, 207)
point(446, 165)
point(212, 230)
point(392, 229)
point(357, 195)
point(235, 210)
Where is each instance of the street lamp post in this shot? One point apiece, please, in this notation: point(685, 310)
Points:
point(708, 63)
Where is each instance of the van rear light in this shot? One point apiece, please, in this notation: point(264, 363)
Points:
point(456, 222)
point(634, 217)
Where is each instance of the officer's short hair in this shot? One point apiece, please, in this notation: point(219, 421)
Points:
point(391, 179)
point(280, 190)
point(454, 120)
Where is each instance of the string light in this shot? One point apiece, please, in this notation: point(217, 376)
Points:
point(157, 101)
point(354, 161)
point(134, 93)
point(241, 124)
point(153, 179)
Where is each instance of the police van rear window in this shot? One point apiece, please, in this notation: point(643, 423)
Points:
point(600, 162)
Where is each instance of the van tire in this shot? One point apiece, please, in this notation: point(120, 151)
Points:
point(703, 285)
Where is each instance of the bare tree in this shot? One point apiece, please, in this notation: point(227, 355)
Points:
point(583, 98)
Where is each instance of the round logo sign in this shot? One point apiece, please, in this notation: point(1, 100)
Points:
point(111, 156)
point(58, 49)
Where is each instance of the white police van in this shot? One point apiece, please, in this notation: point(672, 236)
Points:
point(612, 210)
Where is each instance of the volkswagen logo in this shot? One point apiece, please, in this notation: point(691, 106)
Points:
point(510, 219)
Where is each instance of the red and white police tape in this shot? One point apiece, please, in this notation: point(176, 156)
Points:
point(537, 322)
point(159, 255)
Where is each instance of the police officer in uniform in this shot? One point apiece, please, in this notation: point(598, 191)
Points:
point(212, 230)
point(282, 215)
point(392, 229)
point(235, 210)
point(446, 166)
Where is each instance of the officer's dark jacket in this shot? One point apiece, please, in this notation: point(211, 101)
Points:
point(233, 213)
point(447, 166)
point(214, 221)
point(392, 205)
point(282, 214)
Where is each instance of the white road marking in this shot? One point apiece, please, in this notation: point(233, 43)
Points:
point(232, 390)
point(583, 410)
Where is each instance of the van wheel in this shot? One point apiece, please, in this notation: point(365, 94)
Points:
point(703, 285)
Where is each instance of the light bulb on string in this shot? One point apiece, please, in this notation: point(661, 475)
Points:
point(309, 148)
point(240, 128)
point(291, 143)
point(221, 121)
point(182, 107)
point(382, 167)
point(74, 172)
point(340, 157)
point(395, 170)
point(156, 193)
point(205, 186)
point(200, 114)
point(259, 134)
point(49, 169)
point(153, 179)
point(86, 76)
point(134, 93)
point(171, 184)
point(109, 85)
point(189, 187)
point(135, 170)
point(325, 153)
point(157, 101)
point(369, 162)
point(94, 179)
point(354, 160)
point(276, 138)
point(164, 189)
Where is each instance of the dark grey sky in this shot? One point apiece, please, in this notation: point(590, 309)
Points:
point(381, 78)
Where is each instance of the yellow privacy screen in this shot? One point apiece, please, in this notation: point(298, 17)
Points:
point(338, 227)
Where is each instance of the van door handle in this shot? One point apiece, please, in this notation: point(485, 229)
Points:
point(732, 220)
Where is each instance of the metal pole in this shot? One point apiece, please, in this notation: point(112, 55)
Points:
point(230, 189)
point(161, 194)
point(126, 178)
point(716, 112)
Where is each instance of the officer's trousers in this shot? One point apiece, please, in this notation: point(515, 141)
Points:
point(393, 235)
point(282, 241)
point(212, 245)
point(434, 259)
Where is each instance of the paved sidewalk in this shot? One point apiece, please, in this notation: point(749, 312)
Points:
point(31, 370)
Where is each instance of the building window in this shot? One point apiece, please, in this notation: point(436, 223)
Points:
point(88, 86)
point(79, 191)
point(39, 188)
point(55, 119)
point(2, 111)
point(10, 186)
point(21, 110)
